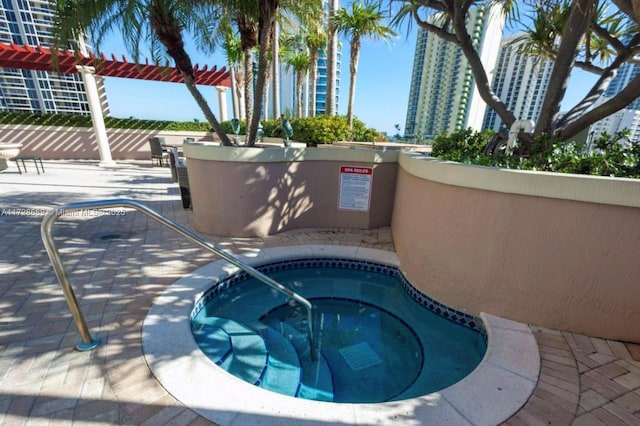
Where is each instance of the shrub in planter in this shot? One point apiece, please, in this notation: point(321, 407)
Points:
point(325, 129)
point(319, 130)
point(463, 146)
point(610, 155)
point(314, 131)
point(228, 128)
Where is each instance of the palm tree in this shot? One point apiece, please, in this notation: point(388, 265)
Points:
point(300, 64)
point(275, 73)
point(316, 39)
point(248, 29)
point(267, 14)
point(296, 59)
point(293, 18)
point(364, 21)
point(158, 22)
point(254, 20)
point(233, 54)
point(244, 16)
point(256, 24)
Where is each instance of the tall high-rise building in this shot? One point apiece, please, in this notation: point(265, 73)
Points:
point(520, 81)
point(443, 96)
point(321, 82)
point(626, 73)
point(287, 85)
point(31, 22)
point(288, 92)
point(620, 120)
point(628, 118)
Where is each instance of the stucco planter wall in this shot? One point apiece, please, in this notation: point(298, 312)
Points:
point(79, 143)
point(554, 250)
point(263, 191)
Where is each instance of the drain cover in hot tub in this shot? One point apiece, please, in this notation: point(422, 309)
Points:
point(360, 356)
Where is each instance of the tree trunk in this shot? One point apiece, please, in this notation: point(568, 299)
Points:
point(475, 62)
point(580, 17)
point(169, 33)
point(305, 111)
point(234, 92)
point(332, 62)
point(353, 69)
point(629, 7)
point(202, 103)
point(276, 72)
point(265, 27)
point(240, 83)
point(594, 94)
point(615, 104)
point(265, 102)
point(299, 94)
point(248, 88)
point(314, 80)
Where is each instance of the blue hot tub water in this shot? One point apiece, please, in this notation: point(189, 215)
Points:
point(378, 338)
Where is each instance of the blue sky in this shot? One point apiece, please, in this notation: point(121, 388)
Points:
point(382, 89)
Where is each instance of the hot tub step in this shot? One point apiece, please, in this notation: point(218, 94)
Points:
point(213, 341)
point(248, 356)
point(316, 381)
point(283, 371)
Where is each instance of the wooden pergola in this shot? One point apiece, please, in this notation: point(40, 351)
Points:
point(88, 65)
point(42, 59)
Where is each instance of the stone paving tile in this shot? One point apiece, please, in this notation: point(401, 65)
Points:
point(119, 264)
point(555, 400)
point(634, 351)
point(608, 391)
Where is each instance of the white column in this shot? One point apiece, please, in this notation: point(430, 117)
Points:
point(222, 102)
point(96, 115)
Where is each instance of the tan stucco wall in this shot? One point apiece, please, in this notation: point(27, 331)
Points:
point(541, 259)
point(262, 191)
point(79, 143)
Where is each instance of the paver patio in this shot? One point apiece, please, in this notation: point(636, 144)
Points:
point(118, 264)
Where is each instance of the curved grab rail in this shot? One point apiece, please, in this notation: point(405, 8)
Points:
point(87, 343)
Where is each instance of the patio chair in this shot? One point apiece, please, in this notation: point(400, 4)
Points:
point(174, 161)
point(158, 151)
point(183, 183)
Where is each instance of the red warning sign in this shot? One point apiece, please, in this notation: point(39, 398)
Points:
point(355, 188)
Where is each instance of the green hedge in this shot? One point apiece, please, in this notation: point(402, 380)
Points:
point(319, 130)
point(610, 155)
point(311, 130)
point(77, 120)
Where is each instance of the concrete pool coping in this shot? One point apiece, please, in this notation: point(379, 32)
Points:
point(494, 391)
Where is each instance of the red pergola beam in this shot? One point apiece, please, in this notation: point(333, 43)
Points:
point(40, 58)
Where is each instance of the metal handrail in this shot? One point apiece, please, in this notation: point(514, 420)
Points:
point(87, 343)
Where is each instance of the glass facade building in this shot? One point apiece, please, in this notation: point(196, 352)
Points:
point(626, 73)
point(442, 95)
point(520, 81)
point(628, 118)
point(30, 22)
